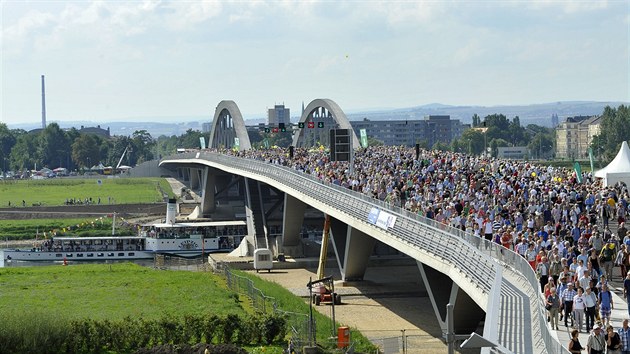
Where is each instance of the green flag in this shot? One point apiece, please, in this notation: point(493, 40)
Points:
point(590, 156)
point(237, 144)
point(364, 141)
point(578, 171)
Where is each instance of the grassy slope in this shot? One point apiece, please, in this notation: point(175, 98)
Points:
point(56, 191)
point(101, 291)
point(29, 228)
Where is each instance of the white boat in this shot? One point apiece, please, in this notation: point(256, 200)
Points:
point(187, 239)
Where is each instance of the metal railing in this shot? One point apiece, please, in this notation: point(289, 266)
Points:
point(299, 325)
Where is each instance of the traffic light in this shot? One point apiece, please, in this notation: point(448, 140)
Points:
point(320, 124)
point(267, 130)
point(282, 127)
point(275, 130)
point(301, 125)
point(311, 124)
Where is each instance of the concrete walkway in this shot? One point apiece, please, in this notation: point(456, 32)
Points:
point(177, 186)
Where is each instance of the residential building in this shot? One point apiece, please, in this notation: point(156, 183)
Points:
point(431, 129)
point(575, 135)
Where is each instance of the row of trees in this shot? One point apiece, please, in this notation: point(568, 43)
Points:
point(54, 147)
point(497, 130)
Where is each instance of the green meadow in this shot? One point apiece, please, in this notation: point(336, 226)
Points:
point(111, 291)
point(91, 308)
point(26, 229)
point(56, 191)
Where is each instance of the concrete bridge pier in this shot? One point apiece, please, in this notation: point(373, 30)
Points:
point(353, 249)
point(292, 220)
point(194, 177)
point(208, 184)
point(443, 290)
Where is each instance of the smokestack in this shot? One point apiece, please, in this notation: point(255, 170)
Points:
point(43, 104)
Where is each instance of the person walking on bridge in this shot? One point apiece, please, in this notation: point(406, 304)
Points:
point(567, 297)
point(624, 335)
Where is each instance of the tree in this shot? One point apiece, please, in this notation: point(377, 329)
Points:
point(53, 146)
point(86, 151)
point(517, 133)
point(23, 155)
point(498, 121)
point(476, 120)
point(7, 141)
point(614, 129)
point(142, 147)
point(472, 141)
point(190, 139)
point(441, 146)
point(541, 145)
point(117, 149)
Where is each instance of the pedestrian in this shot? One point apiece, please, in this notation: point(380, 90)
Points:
point(607, 256)
point(590, 300)
point(605, 304)
point(613, 341)
point(542, 270)
point(624, 336)
point(596, 343)
point(579, 308)
point(553, 305)
point(626, 290)
point(574, 344)
point(567, 296)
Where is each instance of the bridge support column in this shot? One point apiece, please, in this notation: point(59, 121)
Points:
point(194, 177)
point(442, 290)
point(292, 221)
point(207, 191)
point(353, 249)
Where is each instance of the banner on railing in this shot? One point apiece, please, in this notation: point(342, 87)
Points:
point(381, 218)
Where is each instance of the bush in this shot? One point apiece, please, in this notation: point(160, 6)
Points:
point(33, 332)
point(49, 333)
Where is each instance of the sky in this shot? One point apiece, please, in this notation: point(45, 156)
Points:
point(110, 61)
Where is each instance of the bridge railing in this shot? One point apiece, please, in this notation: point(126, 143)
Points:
point(479, 268)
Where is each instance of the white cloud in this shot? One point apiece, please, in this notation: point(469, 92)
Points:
point(185, 15)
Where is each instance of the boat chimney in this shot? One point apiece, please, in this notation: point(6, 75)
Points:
point(171, 211)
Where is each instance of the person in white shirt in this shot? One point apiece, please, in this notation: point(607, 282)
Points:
point(590, 301)
point(579, 308)
point(585, 279)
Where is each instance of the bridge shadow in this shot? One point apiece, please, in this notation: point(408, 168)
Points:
point(396, 290)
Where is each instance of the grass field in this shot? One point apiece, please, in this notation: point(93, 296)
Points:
point(51, 296)
point(39, 228)
point(102, 291)
point(57, 190)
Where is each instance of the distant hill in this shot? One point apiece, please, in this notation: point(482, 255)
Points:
point(539, 114)
point(529, 114)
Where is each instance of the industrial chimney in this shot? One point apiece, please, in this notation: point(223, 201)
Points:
point(43, 104)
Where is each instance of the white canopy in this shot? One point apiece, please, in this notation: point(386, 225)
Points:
point(618, 170)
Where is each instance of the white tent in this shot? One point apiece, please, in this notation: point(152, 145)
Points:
point(618, 170)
